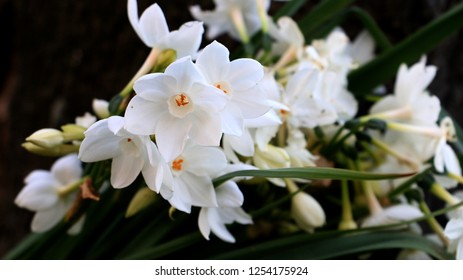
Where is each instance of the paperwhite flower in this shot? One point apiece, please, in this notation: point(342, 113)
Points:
point(410, 103)
point(287, 35)
point(86, 120)
point(47, 192)
point(176, 105)
point(130, 154)
point(297, 149)
point(229, 201)
point(192, 173)
point(152, 29)
point(228, 14)
point(238, 79)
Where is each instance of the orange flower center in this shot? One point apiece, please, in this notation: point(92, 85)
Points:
point(177, 164)
point(182, 100)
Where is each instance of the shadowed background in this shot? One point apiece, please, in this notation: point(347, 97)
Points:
point(57, 55)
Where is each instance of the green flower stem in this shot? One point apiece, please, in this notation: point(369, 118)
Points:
point(455, 177)
point(238, 20)
point(66, 190)
point(426, 131)
point(144, 69)
point(347, 220)
point(442, 193)
point(383, 146)
point(432, 222)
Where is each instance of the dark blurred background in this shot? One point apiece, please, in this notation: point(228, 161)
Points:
point(57, 55)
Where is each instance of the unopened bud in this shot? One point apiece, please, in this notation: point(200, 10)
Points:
point(50, 152)
point(305, 209)
point(46, 138)
point(73, 132)
point(142, 199)
point(272, 157)
point(101, 108)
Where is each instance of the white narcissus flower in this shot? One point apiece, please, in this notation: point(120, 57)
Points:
point(239, 80)
point(130, 154)
point(176, 105)
point(229, 201)
point(152, 29)
point(287, 36)
point(192, 173)
point(239, 18)
point(454, 232)
point(410, 103)
point(51, 193)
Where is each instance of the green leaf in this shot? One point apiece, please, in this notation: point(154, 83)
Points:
point(320, 14)
point(363, 80)
point(290, 8)
point(336, 246)
point(311, 173)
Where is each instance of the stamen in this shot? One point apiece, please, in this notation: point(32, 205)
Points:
point(177, 164)
point(182, 100)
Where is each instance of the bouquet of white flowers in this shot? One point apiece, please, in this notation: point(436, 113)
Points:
point(288, 146)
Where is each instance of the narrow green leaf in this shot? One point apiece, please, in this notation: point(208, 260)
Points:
point(336, 246)
point(320, 14)
point(309, 173)
point(290, 8)
point(384, 67)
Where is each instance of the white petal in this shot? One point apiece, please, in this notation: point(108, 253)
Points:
point(243, 145)
point(187, 39)
point(152, 25)
point(229, 195)
point(142, 116)
point(204, 161)
point(200, 189)
point(99, 143)
point(37, 175)
point(207, 129)
point(232, 120)
point(245, 73)
point(451, 161)
point(403, 212)
point(155, 87)
point(459, 255)
point(171, 135)
point(67, 169)
point(218, 227)
point(125, 169)
point(186, 73)
point(48, 218)
point(214, 61)
point(454, 229)
point(38, 195)
point(203, 222)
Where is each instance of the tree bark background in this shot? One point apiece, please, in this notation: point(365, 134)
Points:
point(57, 55)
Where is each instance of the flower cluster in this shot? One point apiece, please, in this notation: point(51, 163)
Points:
point(192, 115)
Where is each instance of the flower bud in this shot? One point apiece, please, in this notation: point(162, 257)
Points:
point(272, 157)
point(142, 199)
point(305, 210)
point(73, 132)
point(101, 108)
point(50, 152)
point(46, 138)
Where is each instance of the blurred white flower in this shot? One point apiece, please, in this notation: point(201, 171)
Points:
point(391, 215)
point(239, 18)
point(51, 193)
